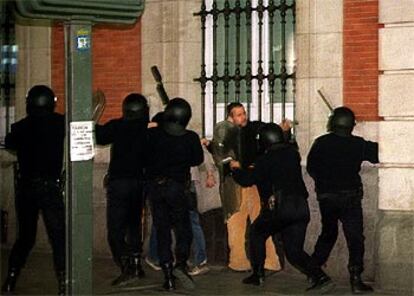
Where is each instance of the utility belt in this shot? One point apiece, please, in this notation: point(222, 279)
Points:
point(341, 194)
point(189, 194)
point(113, 177)
point(39, 180)
point(44, 182)
point(162, 180)
point(109, 178)
point(287, 208)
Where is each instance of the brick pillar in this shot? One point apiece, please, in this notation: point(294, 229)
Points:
point(361, 58)
point(116, 64)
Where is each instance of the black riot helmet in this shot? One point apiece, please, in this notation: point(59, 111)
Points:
point(40, 100)
point(177, 114)
point(269, 135)
point(135, 107)
point(342, 121)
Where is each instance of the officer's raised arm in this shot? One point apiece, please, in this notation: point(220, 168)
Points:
point(371, 152)
point(197, 152)
point(11, 141)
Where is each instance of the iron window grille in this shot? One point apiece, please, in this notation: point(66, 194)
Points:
point(247, 56)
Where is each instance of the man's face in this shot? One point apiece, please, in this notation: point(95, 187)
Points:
point(238, 116)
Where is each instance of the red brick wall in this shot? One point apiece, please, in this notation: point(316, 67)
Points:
point(360, 41)
point(116, 58)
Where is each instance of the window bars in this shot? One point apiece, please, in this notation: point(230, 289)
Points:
point(247, 57)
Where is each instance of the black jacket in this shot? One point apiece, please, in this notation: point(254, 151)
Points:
point(278, 169)
point(334, 162)
point(173, 156)
point(129, 140)
point(249, 151)
point(38, 141)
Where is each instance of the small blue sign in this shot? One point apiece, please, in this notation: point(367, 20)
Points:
point(83, 42)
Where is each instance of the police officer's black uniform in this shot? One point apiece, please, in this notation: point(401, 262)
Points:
point(249, 150)
point(128, 136)
point(173, 150)
point(334, 163)
point(279, 170)
point(38, 141)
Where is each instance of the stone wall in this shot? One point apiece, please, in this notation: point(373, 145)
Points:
point(171, 39)
point(319, 65)
point(395, 235)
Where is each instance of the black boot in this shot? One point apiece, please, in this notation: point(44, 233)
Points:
point(10, 283)
point(320, 284)
point(136, 267)
point(126, 272)
point(61, 277)
point(257, 278)
point(357, 285)
point(169, 278)
point(4, 226)
point(181, 271)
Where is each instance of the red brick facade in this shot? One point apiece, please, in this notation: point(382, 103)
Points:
point(117, 61)
point(116, 64)
point(360, 42)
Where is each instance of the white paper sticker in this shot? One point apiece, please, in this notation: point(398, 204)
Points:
point(81, 141)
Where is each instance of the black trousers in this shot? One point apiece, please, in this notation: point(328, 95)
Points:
point(124, 212)
point(34, 196)
point(292, 237)
point(169, 207)
point(345, 207)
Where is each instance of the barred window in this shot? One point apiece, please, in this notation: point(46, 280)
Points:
point(248, 56)
point(8, 63)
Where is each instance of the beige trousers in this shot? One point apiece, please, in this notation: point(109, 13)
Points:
point(236, 228)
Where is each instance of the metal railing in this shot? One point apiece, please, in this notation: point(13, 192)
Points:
point(248, 57)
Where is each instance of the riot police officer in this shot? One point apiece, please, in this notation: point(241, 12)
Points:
point(173, 150)
point(128, 137)
point(38, 141)
point(334, 162)
point(278, 177)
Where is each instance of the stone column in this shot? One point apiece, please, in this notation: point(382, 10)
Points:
point(34, 61)
point(171, 39)
point(319, 65)
point(33, 68)
point(395, 234)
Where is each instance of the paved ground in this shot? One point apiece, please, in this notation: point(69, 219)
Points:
point(38, 279)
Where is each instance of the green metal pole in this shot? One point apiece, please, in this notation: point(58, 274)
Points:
point(79, 208)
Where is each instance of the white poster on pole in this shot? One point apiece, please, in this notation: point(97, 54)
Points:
point(81, 141)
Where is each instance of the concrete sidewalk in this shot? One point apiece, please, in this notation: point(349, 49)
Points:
point(37, 278)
